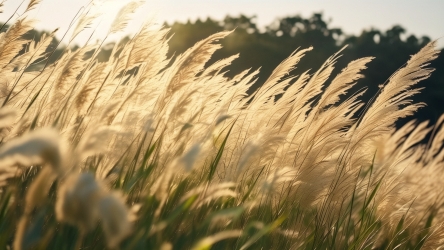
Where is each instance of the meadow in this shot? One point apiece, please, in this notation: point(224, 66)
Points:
point(143, 151)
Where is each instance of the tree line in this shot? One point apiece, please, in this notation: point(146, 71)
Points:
point(266, 48)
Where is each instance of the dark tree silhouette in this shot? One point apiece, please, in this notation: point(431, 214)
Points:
point(267, 49)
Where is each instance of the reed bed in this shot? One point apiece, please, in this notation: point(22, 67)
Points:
point(148, 152)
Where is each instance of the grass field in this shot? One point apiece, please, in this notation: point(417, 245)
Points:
point(148, 152)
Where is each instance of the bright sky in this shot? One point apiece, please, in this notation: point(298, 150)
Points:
point(423, 17)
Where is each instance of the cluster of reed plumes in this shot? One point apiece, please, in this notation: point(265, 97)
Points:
point(148, 152)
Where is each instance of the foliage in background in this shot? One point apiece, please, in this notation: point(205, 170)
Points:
point(267, 48)
point(146, 151)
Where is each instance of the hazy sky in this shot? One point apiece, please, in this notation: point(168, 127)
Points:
point(423, 17)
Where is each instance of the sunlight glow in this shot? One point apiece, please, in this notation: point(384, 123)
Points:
point(351, 16)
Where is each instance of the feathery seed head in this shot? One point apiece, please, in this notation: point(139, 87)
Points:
point(115, 218)
point(32, 4)
point(77, 201)
point(36, 147)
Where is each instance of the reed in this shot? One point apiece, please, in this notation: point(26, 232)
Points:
point(149, 152)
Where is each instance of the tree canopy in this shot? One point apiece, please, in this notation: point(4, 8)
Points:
point(266, 48)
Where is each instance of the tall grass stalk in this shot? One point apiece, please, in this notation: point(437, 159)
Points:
point(149, 152)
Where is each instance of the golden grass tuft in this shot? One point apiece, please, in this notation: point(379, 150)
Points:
point(144, 151)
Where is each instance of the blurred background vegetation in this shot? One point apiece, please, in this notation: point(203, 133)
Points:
point(266, 48)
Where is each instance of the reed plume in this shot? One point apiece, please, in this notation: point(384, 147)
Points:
point(141, 150)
